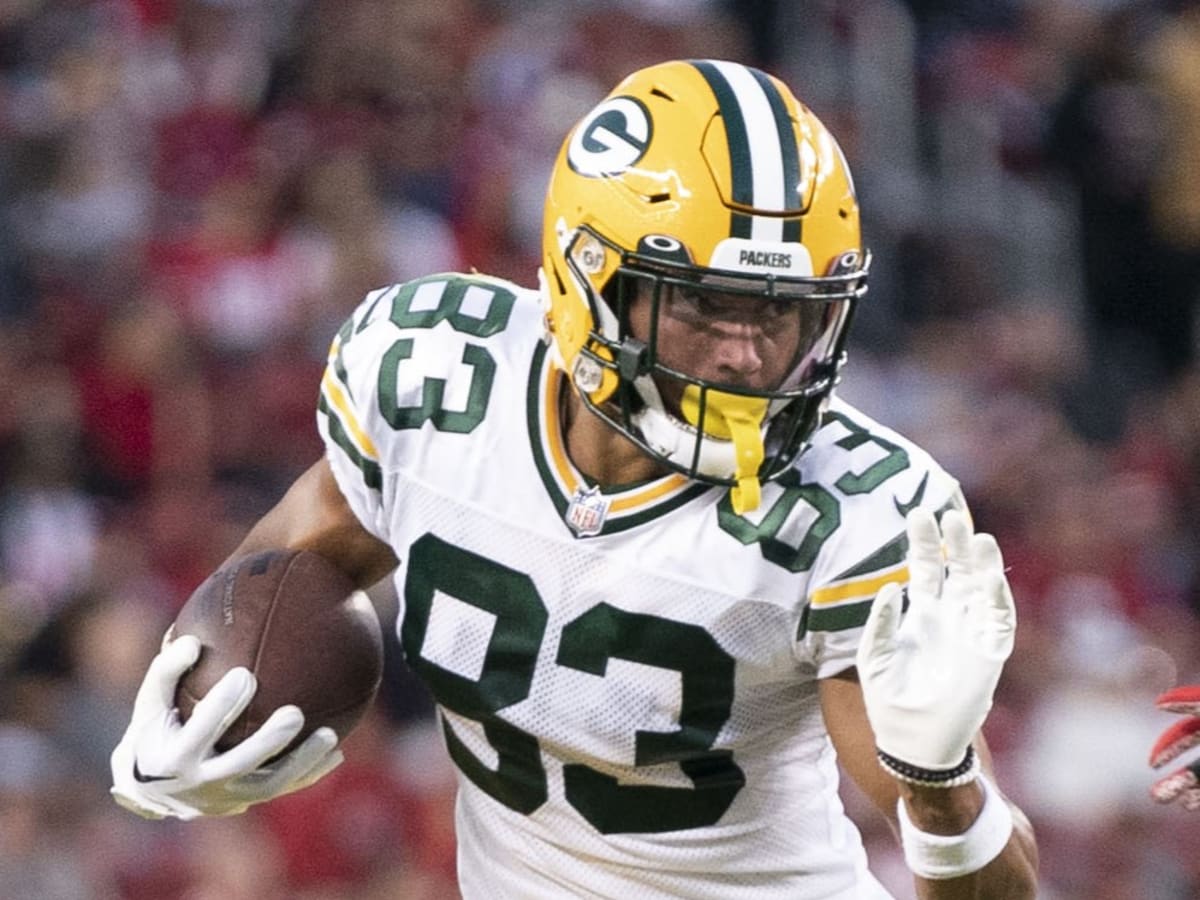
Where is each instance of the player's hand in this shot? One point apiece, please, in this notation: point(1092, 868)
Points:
point(928, 674)
point(164, 768)
point(1182, 784)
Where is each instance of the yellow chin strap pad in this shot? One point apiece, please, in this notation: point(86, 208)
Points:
point(733, 417)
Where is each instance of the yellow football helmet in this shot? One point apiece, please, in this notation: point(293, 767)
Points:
point(704, 184)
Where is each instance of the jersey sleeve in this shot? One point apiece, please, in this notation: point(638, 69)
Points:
point(868, 550)
point(345, 416)
point(409, 377)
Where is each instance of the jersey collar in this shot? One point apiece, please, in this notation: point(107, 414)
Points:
point(586, 509)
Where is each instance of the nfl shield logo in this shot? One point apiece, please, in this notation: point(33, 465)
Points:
point(586, 512)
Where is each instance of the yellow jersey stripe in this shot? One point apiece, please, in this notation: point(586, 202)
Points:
point(337, 399)
point(649, 493)
point(554, 438)
point(566, 472)
point(858, 589)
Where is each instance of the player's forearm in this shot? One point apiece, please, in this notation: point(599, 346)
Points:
point(1010, 875)
point(314, 516)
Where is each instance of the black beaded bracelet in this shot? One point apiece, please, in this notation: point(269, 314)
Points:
point(964, 773)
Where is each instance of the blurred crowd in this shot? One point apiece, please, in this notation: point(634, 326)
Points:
point(195, 193)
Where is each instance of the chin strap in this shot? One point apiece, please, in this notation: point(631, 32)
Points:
point(733, 417)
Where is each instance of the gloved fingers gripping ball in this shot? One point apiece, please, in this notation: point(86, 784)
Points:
point(294, 620)
point(163, 767)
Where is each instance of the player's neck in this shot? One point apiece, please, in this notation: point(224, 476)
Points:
point(598, 450)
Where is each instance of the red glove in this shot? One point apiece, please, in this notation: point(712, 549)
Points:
point(1183, 735)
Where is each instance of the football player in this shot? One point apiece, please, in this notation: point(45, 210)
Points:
point(659, 579)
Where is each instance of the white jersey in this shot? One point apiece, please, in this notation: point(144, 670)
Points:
point(627, 678)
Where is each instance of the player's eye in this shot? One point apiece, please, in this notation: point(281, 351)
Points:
point(692, 305)
point(695, 301)
point(777, 309)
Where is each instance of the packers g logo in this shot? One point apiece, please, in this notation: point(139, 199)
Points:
point(611, 138)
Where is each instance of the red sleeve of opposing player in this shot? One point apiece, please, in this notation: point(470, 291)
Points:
point(1177, 739)
point(1184, 699)
point(1184, 734)
point(1183, 784)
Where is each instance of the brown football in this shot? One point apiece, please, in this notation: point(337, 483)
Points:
point(296, 621)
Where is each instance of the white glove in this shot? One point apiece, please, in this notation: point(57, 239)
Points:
point(164, 768)
point(928, 675)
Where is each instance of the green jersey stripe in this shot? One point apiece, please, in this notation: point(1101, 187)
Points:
point(371, 472)
point(837, 618)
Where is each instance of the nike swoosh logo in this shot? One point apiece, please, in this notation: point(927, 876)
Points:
point(905, 508)
point(147, 779)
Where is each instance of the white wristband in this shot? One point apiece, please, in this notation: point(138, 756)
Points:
point(941, 856)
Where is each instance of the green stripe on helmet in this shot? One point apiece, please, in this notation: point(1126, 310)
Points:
point(741, 170)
